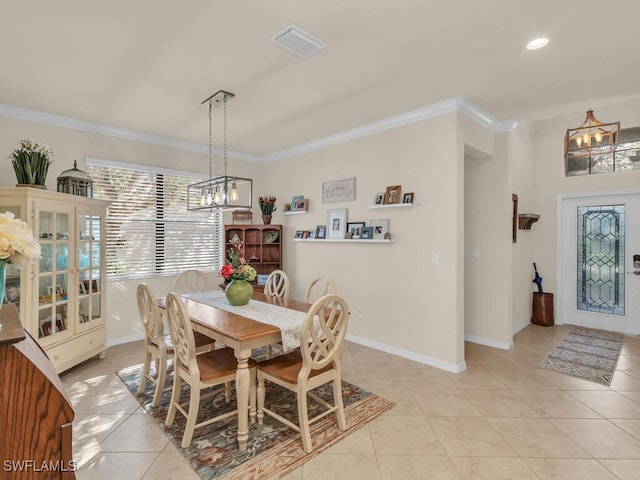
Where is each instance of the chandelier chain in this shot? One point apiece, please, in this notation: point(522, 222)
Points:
point(210, 139)
point(225, 134)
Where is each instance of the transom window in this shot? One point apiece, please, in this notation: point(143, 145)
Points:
point(625, 157)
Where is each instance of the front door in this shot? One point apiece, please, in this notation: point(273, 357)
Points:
point(600, 283)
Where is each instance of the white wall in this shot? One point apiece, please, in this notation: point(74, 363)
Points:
point(399, 300)
point(549, 180)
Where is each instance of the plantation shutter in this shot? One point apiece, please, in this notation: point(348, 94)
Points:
point(149, 229)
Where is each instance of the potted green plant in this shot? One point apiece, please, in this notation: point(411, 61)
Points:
point(267, 207)
point(31, 163)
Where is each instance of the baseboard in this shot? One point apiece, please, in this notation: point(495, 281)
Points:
point(432, 362)
point(522, 326)
point(112, 342)
point(488, 342)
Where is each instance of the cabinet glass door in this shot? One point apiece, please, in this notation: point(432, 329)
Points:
point(12, 285)
point(89, 267)
point(53, 274)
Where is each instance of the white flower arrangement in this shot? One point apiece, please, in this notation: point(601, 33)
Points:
point(17, 243)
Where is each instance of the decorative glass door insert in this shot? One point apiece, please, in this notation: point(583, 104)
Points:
point(601, 260)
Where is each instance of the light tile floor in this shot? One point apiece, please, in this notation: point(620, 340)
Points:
point(503, 418)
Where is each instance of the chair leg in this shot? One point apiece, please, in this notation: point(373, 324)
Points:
point(303, 420)
point(161, 370)
point(338, 402)
point(192, 416)
point(252, 395)
point(145, 371)
point(260, 398)
point(175, 399)
point(227, 391)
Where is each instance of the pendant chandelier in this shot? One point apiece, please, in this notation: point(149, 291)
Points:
point(591, 138)
point(225, 191)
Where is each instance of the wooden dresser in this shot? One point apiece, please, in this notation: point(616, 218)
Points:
point(35, 413)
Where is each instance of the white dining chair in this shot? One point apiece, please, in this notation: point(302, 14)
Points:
point(158, 346)
point(277, 284)
point(319, 287)
point(191, 281)
point(315, 363)
point(214, 368)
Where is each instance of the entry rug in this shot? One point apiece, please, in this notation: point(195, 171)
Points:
point(274, 450)
point(588, 354)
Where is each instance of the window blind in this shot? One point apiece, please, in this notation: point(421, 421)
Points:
point(148, 227)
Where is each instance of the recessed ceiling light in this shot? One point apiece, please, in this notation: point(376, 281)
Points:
point(537, 43)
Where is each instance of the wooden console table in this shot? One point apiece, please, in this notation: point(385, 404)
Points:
point(35, 413)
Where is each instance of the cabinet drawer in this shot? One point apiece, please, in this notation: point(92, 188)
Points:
point(77, 349)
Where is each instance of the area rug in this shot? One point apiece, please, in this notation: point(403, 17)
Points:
point(588, 354)
point(273, 448)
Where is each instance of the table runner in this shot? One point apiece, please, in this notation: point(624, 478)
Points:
point(288, 321)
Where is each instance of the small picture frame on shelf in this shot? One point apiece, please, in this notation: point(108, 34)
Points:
point(392, 195)
point(407, 198)
point(336, 223)
point(312, 234)
point(300, 205)
point(380, 228)
point(305, 234)
point(299, 234)
point(287, 207)
point(366, 233)
point(294, 200)
point(354, 228)
point(379, 199)
point(321, 231)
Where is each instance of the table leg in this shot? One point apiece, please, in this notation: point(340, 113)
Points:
point(243, 380)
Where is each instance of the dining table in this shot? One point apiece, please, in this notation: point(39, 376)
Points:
point(243, 329)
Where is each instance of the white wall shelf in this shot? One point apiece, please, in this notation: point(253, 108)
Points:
point(393, 205)
point(294, 212)
point(342, 240)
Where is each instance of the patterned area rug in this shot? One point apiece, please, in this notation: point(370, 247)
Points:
point(273, 449)
point(588, 354)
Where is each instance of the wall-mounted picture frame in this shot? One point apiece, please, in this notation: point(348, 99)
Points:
point(378, 199)
point(392, 195)
point(380, 227)
point(305, 234)
point(287, 207)
point(301, 205)
point(312, 234)
point(407, 198)
point(339, 190)
point(299, 233)
point(336, 223)
point(354, 229)
point(12, 290)
point(366, 233)
point(321, 231)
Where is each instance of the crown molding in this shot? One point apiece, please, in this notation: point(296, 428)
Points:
point(451, 105)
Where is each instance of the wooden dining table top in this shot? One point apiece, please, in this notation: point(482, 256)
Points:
point(235, 326)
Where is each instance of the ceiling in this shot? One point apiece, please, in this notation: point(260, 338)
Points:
point(146, 65)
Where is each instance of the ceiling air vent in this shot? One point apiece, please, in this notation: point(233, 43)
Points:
point(298, 41)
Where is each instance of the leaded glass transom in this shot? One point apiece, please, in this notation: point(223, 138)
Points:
point(601, 259)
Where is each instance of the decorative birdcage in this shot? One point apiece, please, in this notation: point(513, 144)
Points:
point(75, 182)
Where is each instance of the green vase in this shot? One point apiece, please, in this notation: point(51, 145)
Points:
point(3, 278)
point(239, 292)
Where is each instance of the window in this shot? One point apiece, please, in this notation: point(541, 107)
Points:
point(626, 157)
point(149, 230)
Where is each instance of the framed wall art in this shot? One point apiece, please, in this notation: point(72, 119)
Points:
point(366, 233)
point(407, 198)
point(339, 190)
point(354, 228)
point(321, 231)
point(300, 205)
point(378, 199)
point(336, 223)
